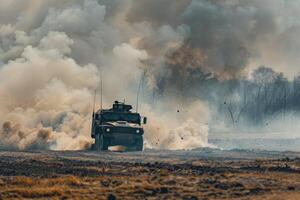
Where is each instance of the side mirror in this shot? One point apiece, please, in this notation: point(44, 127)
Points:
point(145, 120)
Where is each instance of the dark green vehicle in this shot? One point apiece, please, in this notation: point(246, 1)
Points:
point(118, 126)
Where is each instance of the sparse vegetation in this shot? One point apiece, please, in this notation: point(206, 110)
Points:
point(201, 179)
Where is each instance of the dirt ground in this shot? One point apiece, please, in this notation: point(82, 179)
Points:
point(201, 174)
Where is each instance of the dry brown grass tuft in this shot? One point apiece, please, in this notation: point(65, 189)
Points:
point(23, 181)
point(46, 188)
point(29, 182)
point(66, 180)
point(34, 192)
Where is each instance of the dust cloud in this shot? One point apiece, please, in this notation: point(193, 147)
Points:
point(52, 53)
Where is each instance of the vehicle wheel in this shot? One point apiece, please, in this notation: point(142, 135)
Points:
point(103, 143)
point(98, 142)
point(139, 144)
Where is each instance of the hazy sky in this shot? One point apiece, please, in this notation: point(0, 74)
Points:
point(52, 52)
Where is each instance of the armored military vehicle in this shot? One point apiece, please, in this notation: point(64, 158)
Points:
point(118, 126)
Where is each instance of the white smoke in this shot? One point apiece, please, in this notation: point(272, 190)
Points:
point(52, 53)
point(45, 89)
point(178, 126)
point(47, 79)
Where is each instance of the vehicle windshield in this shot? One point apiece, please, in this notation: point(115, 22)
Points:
point(113, 117)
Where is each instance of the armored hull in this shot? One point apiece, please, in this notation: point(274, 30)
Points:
point(117, 126)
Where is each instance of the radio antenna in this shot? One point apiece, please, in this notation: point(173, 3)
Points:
point(101, 90)
point(138, 92)
point(94, 102)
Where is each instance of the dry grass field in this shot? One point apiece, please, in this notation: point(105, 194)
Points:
point(149, 175)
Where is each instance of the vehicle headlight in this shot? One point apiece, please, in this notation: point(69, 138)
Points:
point(108, 130)
point(137, 131)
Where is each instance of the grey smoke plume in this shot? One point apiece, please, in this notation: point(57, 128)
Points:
point(52, 53)
point(233, 35)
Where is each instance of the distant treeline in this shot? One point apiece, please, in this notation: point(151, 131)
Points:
point(265, 95)
point(241, 101)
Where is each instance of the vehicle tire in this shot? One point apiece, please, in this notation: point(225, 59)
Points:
point(103, 143)
point(139, 144)
point(98, 142)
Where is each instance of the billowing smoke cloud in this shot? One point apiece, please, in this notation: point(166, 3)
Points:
point(233, 35)
point(45, 95)
point(183, 128)
point(53, 52)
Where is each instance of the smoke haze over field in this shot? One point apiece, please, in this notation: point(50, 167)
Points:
point(198, 59)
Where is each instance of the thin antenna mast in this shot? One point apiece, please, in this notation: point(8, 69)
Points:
point(138, 92)
point(94, 102)
point(101, 90)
